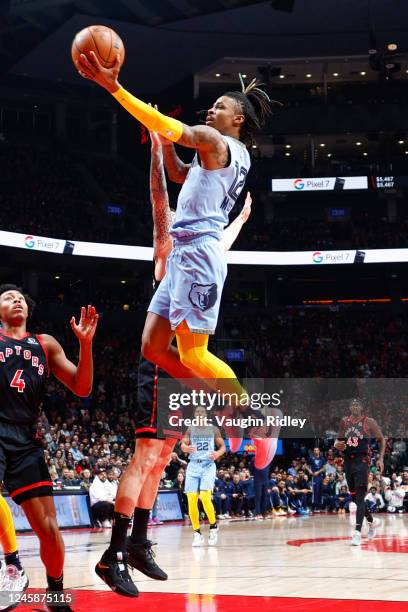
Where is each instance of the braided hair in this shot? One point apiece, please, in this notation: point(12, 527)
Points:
point(255, 105)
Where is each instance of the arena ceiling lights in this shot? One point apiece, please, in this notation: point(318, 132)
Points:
point(328, 69)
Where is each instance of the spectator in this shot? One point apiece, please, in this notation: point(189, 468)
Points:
point(86, 479)
point(400, 450)
point(174, 466)
point(101, 498)
point(221, 500)
point(374, 500)
point(236, 494)
point(395, 498)
point(295, 495)
point(328, 494)
point(248, 505)
point(330, 467)
point(294, 468)
point(179, 485)
point(261, 492)
point(277, 501)
point(75, 452)
point(342, 500)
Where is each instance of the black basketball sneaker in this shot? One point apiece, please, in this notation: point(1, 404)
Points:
point(114, 572)
point(141, 557)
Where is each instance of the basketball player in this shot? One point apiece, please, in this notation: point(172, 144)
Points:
point(355, 433)
point(200, 442)
point(188, 300)
point(13, 578)
point(26, 360)
point(139, 484)
point(316, 471)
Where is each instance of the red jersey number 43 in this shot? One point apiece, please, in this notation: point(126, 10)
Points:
point(17, 382)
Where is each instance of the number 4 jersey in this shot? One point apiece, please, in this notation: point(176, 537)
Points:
point(207, 196)
point(23, 375)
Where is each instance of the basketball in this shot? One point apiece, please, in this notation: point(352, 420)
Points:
point(104, 41)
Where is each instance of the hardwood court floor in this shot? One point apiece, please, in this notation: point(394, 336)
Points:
point(301, 564)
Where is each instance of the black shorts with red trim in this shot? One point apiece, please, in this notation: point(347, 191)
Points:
point(356, 469)
point(22, 465)
point(147, 422)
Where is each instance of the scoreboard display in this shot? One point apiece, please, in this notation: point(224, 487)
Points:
point(389, 182)
point(373, 183)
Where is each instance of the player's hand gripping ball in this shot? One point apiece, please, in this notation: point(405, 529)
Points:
point(103, 41)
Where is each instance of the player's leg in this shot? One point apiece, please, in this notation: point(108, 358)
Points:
point(158, 335)
point(40, 513)
point(8, 537)
point(148, 493)
point(192, 488)
point(194, 515)
point(362, 481)
point(157, 346)
point(112, 567)
point(139, 547)
point(317, 494)
point(206, 489)
point(13, 576)
point(28, 481)
point(205, 497)
point(358, 474)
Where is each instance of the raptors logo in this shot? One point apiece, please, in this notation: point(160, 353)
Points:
point(203, 296)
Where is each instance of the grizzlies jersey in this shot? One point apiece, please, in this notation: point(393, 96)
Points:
point(316, 464)
point(203, 439)
point(207, 196)
point(357, 436)
point(23, 375)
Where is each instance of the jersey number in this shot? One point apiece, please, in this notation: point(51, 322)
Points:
point(352, 442)
point(202, 446)
point(17, 382)
point(235, 189)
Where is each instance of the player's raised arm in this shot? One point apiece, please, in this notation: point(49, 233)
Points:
point(162, 241)
point(200, 137)
point(78, 378)
point(231, 232)
point(235, 114)
point(177, 170)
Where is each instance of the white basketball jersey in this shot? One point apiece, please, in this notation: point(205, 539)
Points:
point(207, 196)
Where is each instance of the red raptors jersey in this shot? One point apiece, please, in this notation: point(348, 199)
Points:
point(23, 374)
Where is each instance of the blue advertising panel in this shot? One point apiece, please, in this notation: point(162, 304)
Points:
point(72, 511)
point(168, 506)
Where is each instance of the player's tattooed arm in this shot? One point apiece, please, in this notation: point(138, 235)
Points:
point(376, 432)
point(209, 143)
point(77, 378)
point(177, 170)
point(159, 198)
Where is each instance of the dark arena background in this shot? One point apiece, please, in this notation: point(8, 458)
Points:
point(317, 286)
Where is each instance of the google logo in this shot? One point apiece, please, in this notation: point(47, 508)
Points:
point(298, 184)
point(29, 242)
point(317, 257)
